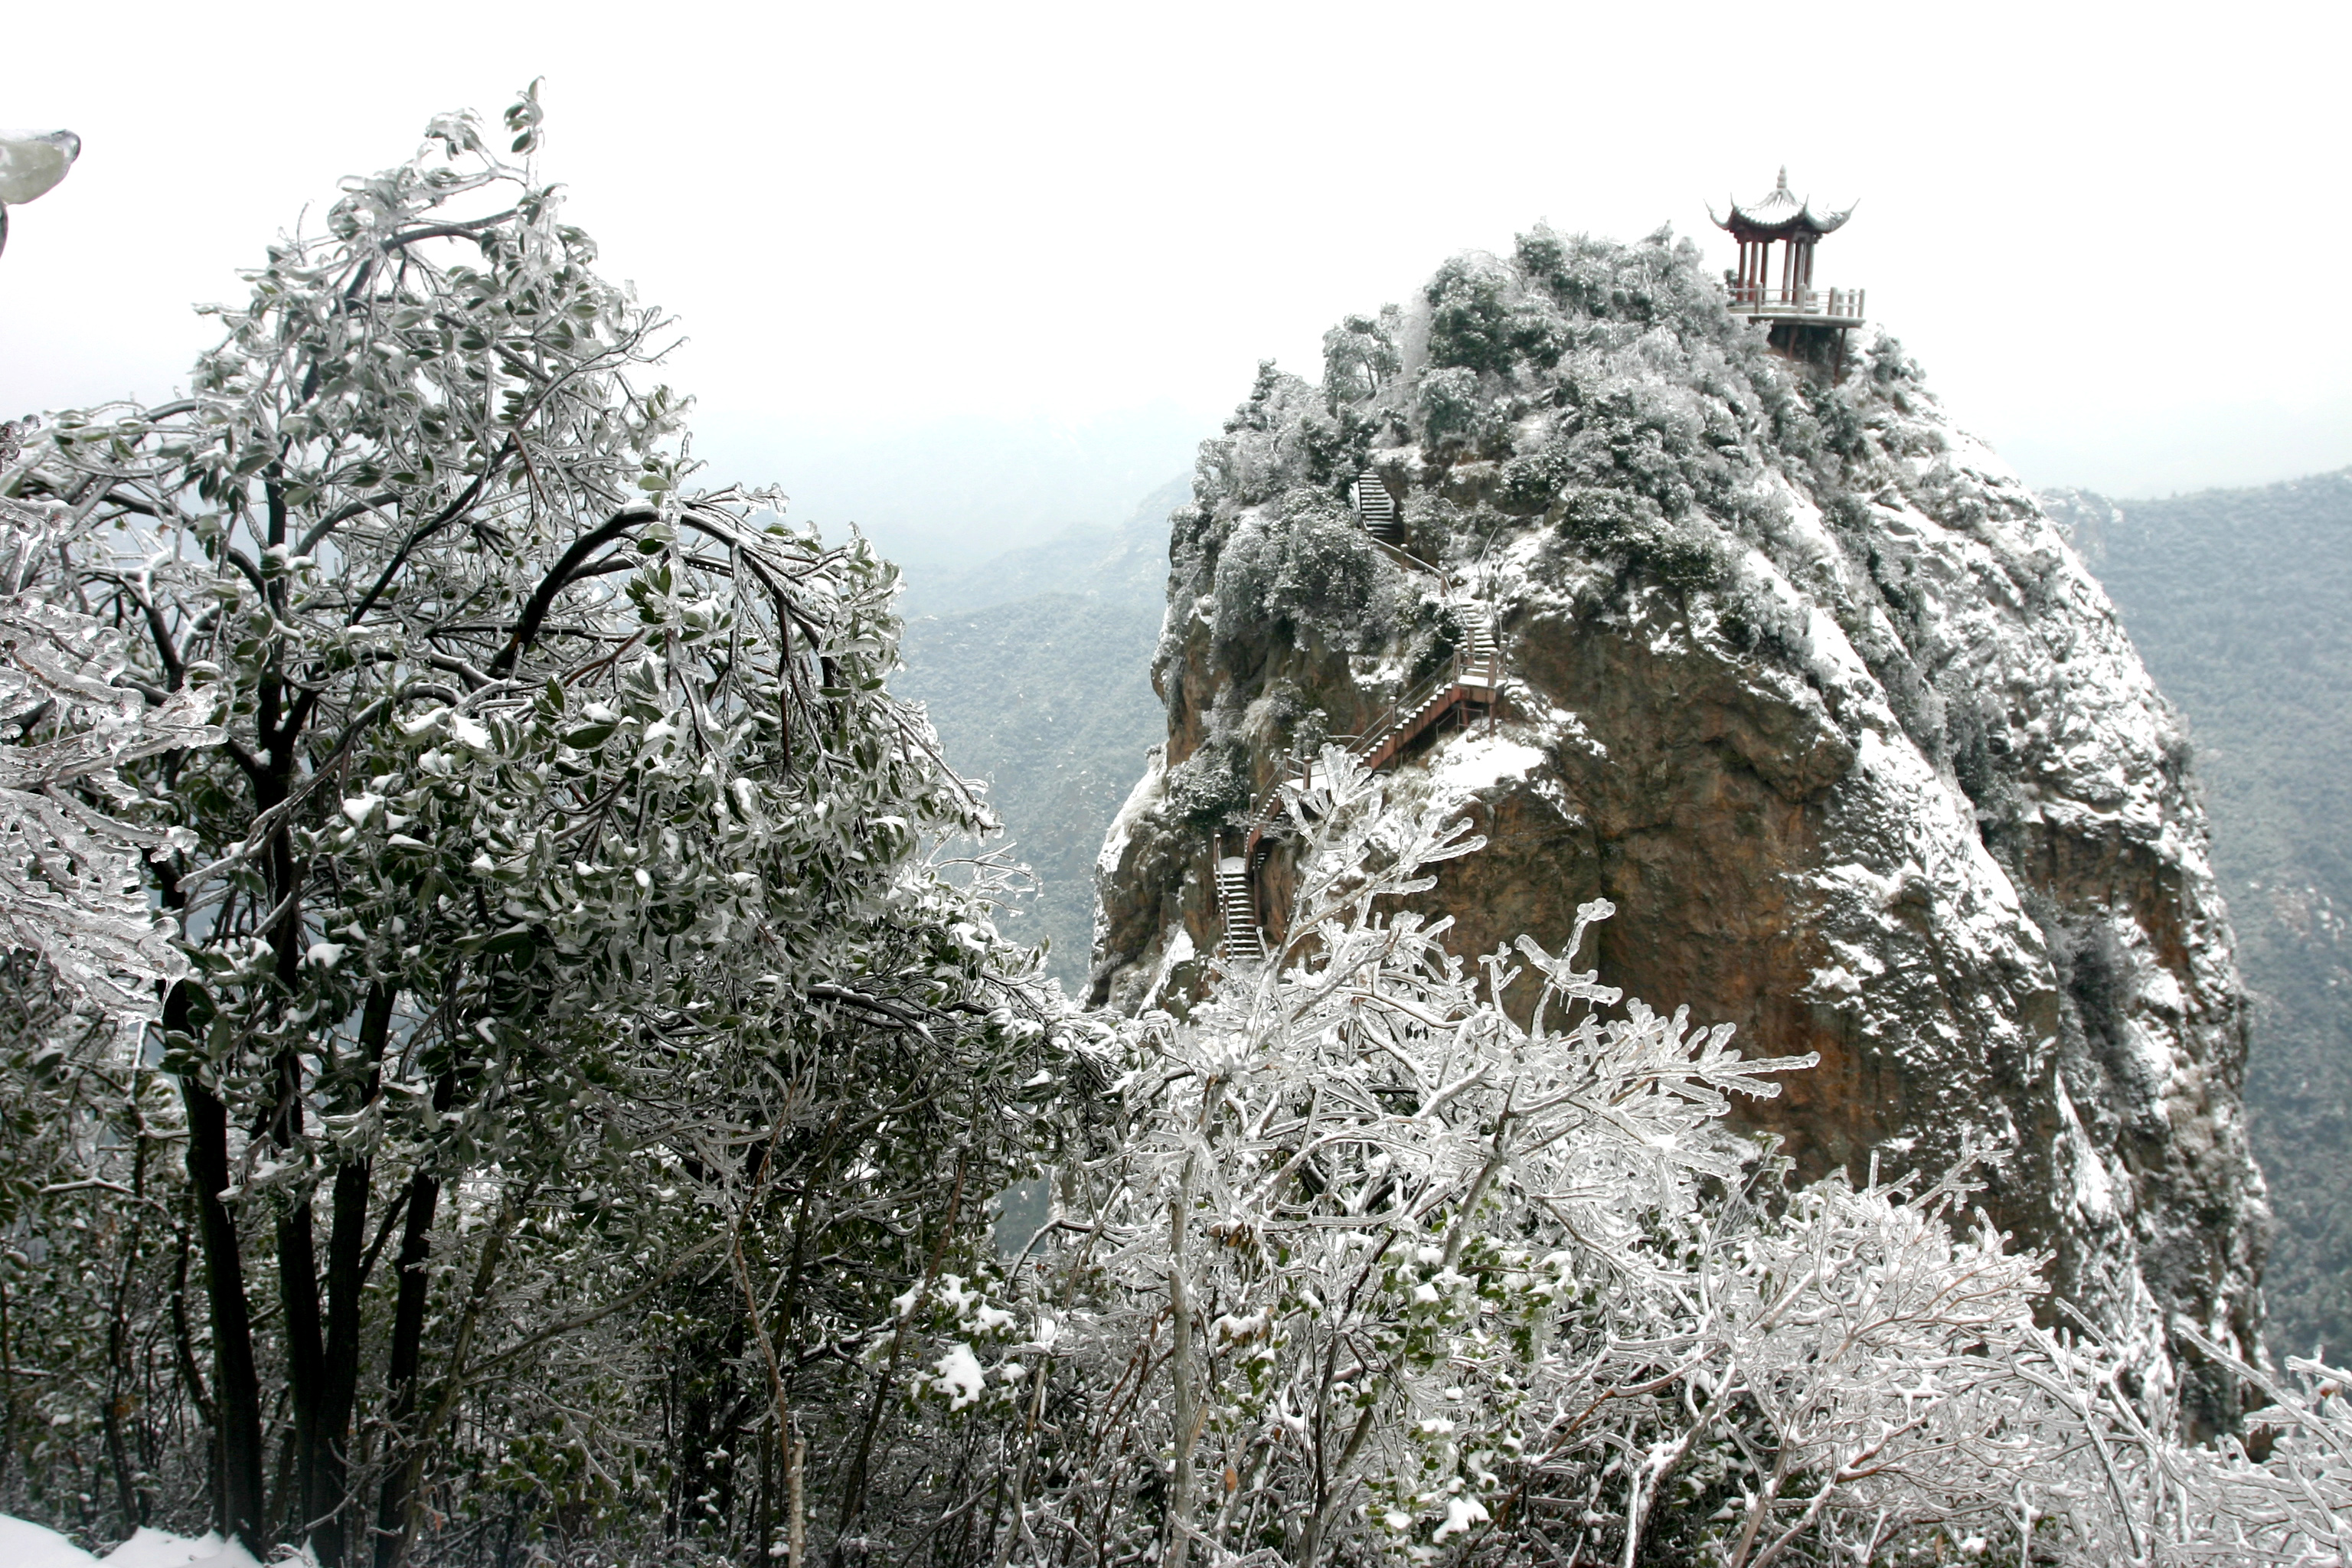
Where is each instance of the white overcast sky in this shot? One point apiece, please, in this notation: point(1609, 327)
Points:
point(973, 272)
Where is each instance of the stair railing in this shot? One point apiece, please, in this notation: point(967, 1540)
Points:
point(1397, 726)
point(1463, 680)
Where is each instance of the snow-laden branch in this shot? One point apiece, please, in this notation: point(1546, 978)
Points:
point(71, 829)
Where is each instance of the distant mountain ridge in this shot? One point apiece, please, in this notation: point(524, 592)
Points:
point(2241, 603)
point(1035, 666)
point(1127, 564)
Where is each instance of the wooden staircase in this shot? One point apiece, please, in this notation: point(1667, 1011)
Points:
point(1467, 684)
point(1463, 684)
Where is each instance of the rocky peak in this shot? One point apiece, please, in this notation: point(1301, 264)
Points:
point(1792, 670)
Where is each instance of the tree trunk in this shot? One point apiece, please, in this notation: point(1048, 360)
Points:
point(853, 1501)
point(7, 1391)
point(183, 1344)
point(338, 1378)
point(236, 1389)
point(424, 1430)
point(325, 1501)
point(407, 1347)
point(121, 1377)
point(298, 1289)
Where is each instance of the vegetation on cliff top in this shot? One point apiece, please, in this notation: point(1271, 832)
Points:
point(1602, 391)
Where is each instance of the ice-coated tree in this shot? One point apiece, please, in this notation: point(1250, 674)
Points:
point(70, 890)
point(83, 958)
point(560, 855)
point(1357, 353)
point(1392, 1258)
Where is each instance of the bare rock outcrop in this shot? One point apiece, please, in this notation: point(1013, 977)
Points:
point(1799, 675)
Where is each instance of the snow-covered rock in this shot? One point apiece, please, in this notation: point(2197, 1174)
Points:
point(1800, 677)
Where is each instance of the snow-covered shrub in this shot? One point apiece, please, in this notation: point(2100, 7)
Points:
point(1359, 354)
point(1614, 284)
point(1452, 404)
point(1688, 553)
point(1303, 569)
point(1212, 784)
point(1479, 321)
point(1394, 1257)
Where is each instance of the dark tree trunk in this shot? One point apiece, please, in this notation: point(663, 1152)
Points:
point(236, 1389)
point(121, 1376)
point(338, 1377)
point(407, 1348)
point(184, 1345)
point(7, 1391)
point(285, 1125)
point(298, 1288)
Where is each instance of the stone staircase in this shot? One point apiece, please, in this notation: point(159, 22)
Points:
point(1237, 909)
point(1468, 685)
point(1481, 649)
point(1377, 506)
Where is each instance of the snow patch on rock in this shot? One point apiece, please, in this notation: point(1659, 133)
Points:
point(1469, 763)
point(1140, 800)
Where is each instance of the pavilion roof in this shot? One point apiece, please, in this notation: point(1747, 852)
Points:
point(1779, 215)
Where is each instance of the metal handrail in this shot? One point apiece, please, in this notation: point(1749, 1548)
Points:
point(1460, 670)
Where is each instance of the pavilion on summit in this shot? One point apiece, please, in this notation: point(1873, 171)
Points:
point(1802, 317)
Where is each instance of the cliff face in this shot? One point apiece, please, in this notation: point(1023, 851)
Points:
point(1792, 670)
point(2238, 601)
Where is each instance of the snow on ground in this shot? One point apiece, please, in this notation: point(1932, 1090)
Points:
point(155, 1548)
point(24, 1544)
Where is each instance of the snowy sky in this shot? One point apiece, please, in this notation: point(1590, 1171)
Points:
point(979, 271)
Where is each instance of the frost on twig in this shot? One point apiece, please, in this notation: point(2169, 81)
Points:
point(1425, 1256)
point(70, 884)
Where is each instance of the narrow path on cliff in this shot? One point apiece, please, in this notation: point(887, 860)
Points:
point(1468, 684)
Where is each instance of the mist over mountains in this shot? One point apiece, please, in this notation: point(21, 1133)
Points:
point(1036, 668)
point(942, 497)
point(2237, 600)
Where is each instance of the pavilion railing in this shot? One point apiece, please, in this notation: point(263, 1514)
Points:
point(1822, 304)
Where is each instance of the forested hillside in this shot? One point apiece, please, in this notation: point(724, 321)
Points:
point(1036, 669)
point(2238, 600)
point(492, 1070)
